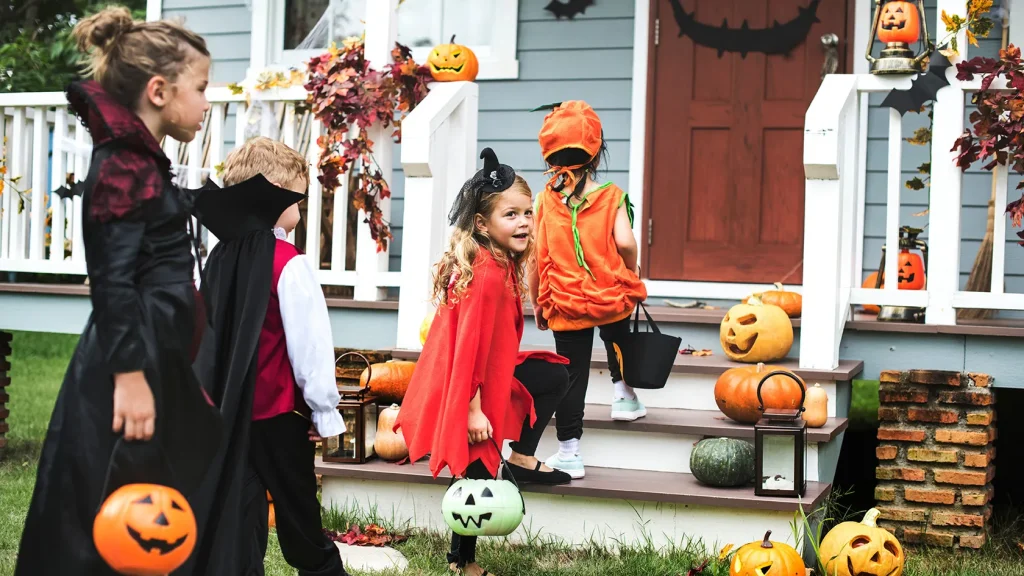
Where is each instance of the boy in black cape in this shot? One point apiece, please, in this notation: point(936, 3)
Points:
point(269, 367)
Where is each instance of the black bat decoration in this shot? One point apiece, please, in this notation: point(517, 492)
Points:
point(923, 89)
point(777, 39)
point(66, 192)
point(569, 8)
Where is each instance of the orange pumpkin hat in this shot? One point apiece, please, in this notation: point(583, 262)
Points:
point(571, 124)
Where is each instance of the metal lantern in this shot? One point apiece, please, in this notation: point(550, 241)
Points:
point(910, 276)
point(359, 411)
point(780, 446)
point(898, 24)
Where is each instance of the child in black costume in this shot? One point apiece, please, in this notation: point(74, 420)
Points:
point(131, 374)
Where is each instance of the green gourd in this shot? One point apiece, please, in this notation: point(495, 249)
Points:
point(723, 462)
point(483, 507)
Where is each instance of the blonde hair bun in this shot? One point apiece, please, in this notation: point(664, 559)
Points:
point(103, 29)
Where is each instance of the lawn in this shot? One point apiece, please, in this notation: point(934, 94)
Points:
point(38, 366)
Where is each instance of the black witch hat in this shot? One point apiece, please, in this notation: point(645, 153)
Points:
point(493, 178)
point(232, 212)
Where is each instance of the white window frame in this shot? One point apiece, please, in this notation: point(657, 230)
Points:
point(497, 61)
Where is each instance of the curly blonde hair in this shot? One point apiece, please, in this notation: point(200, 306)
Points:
point(464, 247)
point(124, 54)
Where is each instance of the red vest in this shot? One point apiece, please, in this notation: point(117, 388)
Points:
point(276, 391)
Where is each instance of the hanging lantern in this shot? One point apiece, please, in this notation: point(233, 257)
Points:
point(359, 411)
point(780, 446)
point(898, 24)
point(911, 275)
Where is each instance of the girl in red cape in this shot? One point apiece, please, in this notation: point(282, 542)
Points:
point(471, 383)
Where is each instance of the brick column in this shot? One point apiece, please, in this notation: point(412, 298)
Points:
point(935, 457)
point(5, 380)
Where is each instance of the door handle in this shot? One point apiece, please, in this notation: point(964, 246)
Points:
point(830, 45)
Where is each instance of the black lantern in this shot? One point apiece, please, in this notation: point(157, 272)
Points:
point(359, 411)
point(780, 446)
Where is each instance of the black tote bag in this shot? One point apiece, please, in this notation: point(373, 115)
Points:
point(646, 358)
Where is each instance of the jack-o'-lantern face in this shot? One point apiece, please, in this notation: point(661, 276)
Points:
point(911, 271)
point(453, 62)
point(482, 507)
point(767, 558)
point(756, 332)
point(899, 22)
point(862, 549)
point(145, 529)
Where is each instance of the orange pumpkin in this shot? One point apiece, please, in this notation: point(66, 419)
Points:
point(791, 302)
point(767, 558)
point(755, 332)
point(736, 392)
point(145, 529)
point(869, 282)
point(271, 518)
point(453, 62)
point(390, 380)
point(387, 444)
point(911, 271)
point(899, 22)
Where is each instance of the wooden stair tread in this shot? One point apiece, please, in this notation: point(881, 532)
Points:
point(714, 364)
point(615, 483)
point(695, 422)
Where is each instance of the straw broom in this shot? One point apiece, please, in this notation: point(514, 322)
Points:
point(980, 279)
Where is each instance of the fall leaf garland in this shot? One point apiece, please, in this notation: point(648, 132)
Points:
point(348, 95)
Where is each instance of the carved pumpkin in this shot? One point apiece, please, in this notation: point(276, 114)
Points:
point(899, 22)
point(791, 302)
point(911, 270)
point(452, 62)
point(736, 392)
point(145, 529)
point(388, 444)
point(483, 507)
point(390, 380)
point(755, 332)
point(767, 558)
point(815, 406)
point(861, 549)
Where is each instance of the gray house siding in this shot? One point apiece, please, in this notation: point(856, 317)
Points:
point(225, 26)
point(977, 184)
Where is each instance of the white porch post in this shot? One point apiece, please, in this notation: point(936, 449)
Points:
point(381, 32)
point(944, 202)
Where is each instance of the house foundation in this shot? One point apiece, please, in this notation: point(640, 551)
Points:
point(935, 456)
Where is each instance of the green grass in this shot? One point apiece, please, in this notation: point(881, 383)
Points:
point(864, 405)
point(38, 365)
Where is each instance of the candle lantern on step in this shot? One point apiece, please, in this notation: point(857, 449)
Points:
point(910, 270)
point(359, 411)
point(780, 446)
point(898, 24)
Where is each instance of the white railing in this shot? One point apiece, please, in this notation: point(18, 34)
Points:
point(438, 155)
point(835, 155)
point(45, 143)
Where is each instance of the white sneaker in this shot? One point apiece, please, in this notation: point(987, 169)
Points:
point(628, 410)
point(571, 466)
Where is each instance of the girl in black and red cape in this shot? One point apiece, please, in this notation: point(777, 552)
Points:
point(129, 401)
point(471, 382)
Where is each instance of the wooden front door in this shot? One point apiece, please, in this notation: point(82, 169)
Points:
point(725, 177)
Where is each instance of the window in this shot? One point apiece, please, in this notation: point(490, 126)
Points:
point(300, 29)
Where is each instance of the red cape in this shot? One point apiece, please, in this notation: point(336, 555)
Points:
point(472, 344)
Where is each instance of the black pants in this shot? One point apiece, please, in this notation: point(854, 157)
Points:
point(547, 383)
point(281, 461)
point(578, 347)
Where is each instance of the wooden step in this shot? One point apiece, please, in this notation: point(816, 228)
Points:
point(605, 483)
point(709, 365)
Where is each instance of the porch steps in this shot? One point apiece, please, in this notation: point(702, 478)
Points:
point(609, 507)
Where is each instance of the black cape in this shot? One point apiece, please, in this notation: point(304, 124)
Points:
point(236, 286)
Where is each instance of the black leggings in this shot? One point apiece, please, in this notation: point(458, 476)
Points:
point(547, 383)
point(578, 347)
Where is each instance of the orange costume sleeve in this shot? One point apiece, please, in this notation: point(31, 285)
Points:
point(473, 344)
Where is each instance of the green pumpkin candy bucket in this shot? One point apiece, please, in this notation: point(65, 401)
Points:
point(492, 507)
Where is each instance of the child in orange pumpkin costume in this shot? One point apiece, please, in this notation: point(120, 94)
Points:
point(585, 272)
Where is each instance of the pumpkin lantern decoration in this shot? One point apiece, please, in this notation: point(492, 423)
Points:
point(756, 332)
point(453, 62)
point(910, 275)
point(483, 507)
point(388, 444)
point(791, 302)
point(767, 558)
point(389, 381)
point(861, 549)
point(145, 529)
point(736, 392)
point(898, 24)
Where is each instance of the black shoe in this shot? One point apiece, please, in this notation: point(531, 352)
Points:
point(535, 476)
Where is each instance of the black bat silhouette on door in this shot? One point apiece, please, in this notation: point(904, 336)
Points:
point(776, 39)
point(569, 8)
